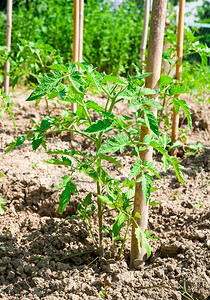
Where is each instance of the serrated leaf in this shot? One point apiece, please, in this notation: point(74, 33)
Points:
point(99, 109)
point(107, 200)
point(76, 81)
point(151, 102)
point(185, 108)
point(66, 196)
point(165, 80)
point(177, 168)
point(63, 162)
point(118, 143)
point(58, 67)
point(98, 126)
point(177, 89)
point(176, 104)
point(37, 140)
point(151, 121)
point(111, 160)
point(146, 91)
point(117, 226)
point(142, 239)
point(20, 141)
point(47, 83)
point(109, 78)
point(165, 163)
point(45, 124)
point(63, 183)
point(137, 168)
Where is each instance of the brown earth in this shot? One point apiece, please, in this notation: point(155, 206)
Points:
point(34, 238)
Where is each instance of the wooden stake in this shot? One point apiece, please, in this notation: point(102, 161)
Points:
point(76, 39)
point(81, 18)
point(155, 48)
point(180, 38)
point(8, 44)
point(145, 31)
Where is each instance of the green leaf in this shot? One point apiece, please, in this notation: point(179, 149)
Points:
point(177, 89)
point(37, 140)
point(137, 215)
point(165, 163)
point(177, 168)
point(47, 83)
point(151, 102)
point(142, 239)
point(45, 124)
point(146, 186)
point(2, 175)
point(149, 167)
point(58, 67)
point(153, 203)
point(66, 196)
point(2, 206)
point(151, 121)
point(98, 126)
point(137, 168)
point(87, 201)
point(146, 91)
point(76, 81)
point(63, 183)
point(117, 226)
point(185, 108)
point(165, 80)
point(63, 162)
point(111, 160)
point(20, 141)
point(109, 78)
point(107, 200)
point(118, 142)
point(98, 108)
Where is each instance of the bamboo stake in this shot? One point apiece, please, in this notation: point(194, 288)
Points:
point(145, 31)
point(155, 48)
point(180, 38)
point(8, 45)
point(76, 39)
point(81, 18)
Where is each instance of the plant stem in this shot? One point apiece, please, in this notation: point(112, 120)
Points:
point(124, 240)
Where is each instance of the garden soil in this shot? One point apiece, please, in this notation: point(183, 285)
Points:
point(45, 256)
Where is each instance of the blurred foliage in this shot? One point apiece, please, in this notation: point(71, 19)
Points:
point(111, 37)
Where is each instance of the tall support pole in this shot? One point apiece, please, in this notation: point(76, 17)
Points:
point(155, 48)
point(145, 31)
point(8, 45)
point(76, 39)
point(180, 38)
point(81, 20)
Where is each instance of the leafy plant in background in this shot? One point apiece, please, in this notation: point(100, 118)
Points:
point(51, 22)
point(110, 134)
point(6, 106)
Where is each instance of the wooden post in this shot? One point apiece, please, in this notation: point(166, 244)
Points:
point(8, 44)
point(81, 18)
point(180, 38)
point(145, 31)
point(76, 39)
point(155, 48)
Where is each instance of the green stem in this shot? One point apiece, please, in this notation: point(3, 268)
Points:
point(91, 232)
point(124, 240)
point(99, 204)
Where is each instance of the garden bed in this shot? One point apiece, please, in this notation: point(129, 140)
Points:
point(45, 256)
